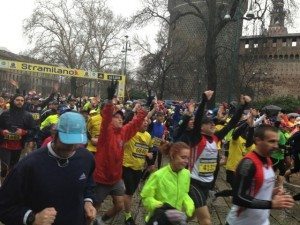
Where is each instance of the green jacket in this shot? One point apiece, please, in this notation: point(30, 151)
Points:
point(166, 186)
point(52, 119)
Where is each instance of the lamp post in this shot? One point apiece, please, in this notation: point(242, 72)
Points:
point(125, 49)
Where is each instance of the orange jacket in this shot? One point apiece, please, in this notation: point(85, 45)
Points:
point(109, 155)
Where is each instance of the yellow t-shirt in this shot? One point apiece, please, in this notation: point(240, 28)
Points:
point(237, 151)
point(135, 150)
point(93, 127)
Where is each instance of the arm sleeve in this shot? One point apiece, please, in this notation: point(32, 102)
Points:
point(249, 139)
point(242, 187)
point(196, 134)
point(130, 129)
point(107, 114)
point(234, 120)
point(47, 100)
point(31, 128)
point(13, 195)
point(259, 120)
point(90, 187)
point(238, 131)
point(148, 194)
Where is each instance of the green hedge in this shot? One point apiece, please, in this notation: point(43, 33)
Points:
point(287, 103)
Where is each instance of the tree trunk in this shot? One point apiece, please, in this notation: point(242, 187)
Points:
point(210, 52)
point(73, 86)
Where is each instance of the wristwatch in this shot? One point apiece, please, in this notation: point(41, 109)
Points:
point(30, 218)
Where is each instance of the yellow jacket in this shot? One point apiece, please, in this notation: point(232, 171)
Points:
point(93, 128)
point(167, 186)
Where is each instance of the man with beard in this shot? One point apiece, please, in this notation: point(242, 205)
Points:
point(16, 127)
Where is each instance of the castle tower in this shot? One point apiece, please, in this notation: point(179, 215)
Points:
point(277, 23)
point(190, 33)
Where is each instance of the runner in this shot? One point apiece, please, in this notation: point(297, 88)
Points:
point(16, 127)
point(135, 152)
point(163, 206)
point(54, 184)
point(204, 157)
point(254, 183)
point(109, 155)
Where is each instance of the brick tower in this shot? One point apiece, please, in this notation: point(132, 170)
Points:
point(190, 33)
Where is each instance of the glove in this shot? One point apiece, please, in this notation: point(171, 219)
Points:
point(176, 217)
point(111, 90)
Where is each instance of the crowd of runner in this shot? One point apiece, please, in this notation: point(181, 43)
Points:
point(76, 151)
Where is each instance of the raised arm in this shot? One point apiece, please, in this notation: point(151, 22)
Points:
point(196, 134)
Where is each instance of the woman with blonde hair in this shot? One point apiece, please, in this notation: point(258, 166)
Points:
point(165, 194)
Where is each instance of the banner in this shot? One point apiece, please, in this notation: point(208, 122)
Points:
point(63, 71)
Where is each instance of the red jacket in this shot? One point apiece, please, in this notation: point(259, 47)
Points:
point(109, 155)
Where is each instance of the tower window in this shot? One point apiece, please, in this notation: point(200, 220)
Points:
point(294, 42)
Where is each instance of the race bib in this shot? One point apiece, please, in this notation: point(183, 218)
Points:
point(207, 166)
point(140, 150)
point(156, 141)
point(12, 137)
point(36, 116)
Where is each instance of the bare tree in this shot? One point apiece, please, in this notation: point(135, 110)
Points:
point(156, 66)
point(75, 34)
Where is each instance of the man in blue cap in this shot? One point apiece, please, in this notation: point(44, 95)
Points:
point(54, 184)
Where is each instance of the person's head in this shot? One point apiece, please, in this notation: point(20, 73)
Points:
point(266, 139)
point(95, 101)
point(118, 119)
point(160, 117)
point(70, 131)
point(208, 126)
point(53, 105)
point(35, 100)
point(145, 124)
point(72, 102)
point(179, 154)
point(18, 101)
point(191, 121)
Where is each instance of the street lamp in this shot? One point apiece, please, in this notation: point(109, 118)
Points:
point(125, 49)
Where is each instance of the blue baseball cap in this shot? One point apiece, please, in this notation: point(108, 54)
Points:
point(71, 128)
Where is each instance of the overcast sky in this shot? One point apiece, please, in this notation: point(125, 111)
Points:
point(13, 12)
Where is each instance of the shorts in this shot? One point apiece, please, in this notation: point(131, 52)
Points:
point(103, 190)
point(199, 193)
point(9, 157)
point(131, 179)
point(278, 164)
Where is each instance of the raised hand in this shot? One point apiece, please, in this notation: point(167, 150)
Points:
point(14, 83)
point(209, 94)
point(111, 90)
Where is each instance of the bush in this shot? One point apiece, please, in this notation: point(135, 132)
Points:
point(136, 94)
point(287, 103)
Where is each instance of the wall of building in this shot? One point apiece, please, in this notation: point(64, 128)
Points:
point(281, 53)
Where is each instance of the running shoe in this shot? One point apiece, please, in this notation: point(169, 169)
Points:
point(129, 221)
